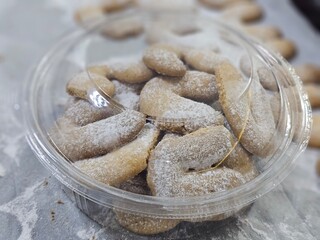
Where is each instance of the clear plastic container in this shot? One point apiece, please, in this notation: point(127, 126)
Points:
point(45, 97)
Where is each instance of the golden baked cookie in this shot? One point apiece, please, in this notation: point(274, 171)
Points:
point(124, 28)
point(203, 59)
point(198, 86)
point(245, 65)
point(275, 103)
point(81, 85)
point(130, 71)
point(160, 99)
point(243, 11)
point(116, 5)
point(262, 32)
point(88, 14)
point(267, 79)
point(128, 95)
point(164, 61)
point(123, 163)
point(240, 160)
point(284, 46)
point(249, 116)
point(138, 223)
point(172, 164)
point(97, 138)
point(315, 131)
point(80, 112)
point(145, 225)
point(313, 91)
point(101, 69)
point(309, 73)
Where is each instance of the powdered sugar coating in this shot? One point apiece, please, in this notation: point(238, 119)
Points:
point(248, 114)
point(169, 164)
point(174, 113)
point(145, 225)
point(127, 94)
point(124, 28)
point(203, 59)
point(123, 163)
point(178, 49)
point(164, 61)
point(267, 80)
point(138, 223)
point(81, 84)
point(262, 32)
point(97, 138)
point(285, 47)
point(130, 71)
point(245, 65)
point(199, 86)
point(275, 104)
point(81, 112)
point(183, 115)
point(240, 160)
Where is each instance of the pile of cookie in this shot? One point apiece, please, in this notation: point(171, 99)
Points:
point(241, 14)
point(185, 129)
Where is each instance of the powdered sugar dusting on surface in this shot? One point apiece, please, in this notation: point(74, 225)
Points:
point(172, 158)
point(122, 64)
point(203, 60)
point(82, 78)
point(117, 165)
point(25, 210)
point(98, 137)
point(194, 115)
point(163, 61)
point(158, 98)
point(82, 112)
point(118, 128)
point(199, 86)
point(248, 110)
point(127, 95)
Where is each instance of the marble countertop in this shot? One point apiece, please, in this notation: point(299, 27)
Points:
point(32, 204)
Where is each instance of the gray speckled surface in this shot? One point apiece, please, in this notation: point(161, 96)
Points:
point(29, 196)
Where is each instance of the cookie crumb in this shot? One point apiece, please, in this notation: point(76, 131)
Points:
point(318, 167)
point(60, 202)
point(52, 213)
point(45, 182)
